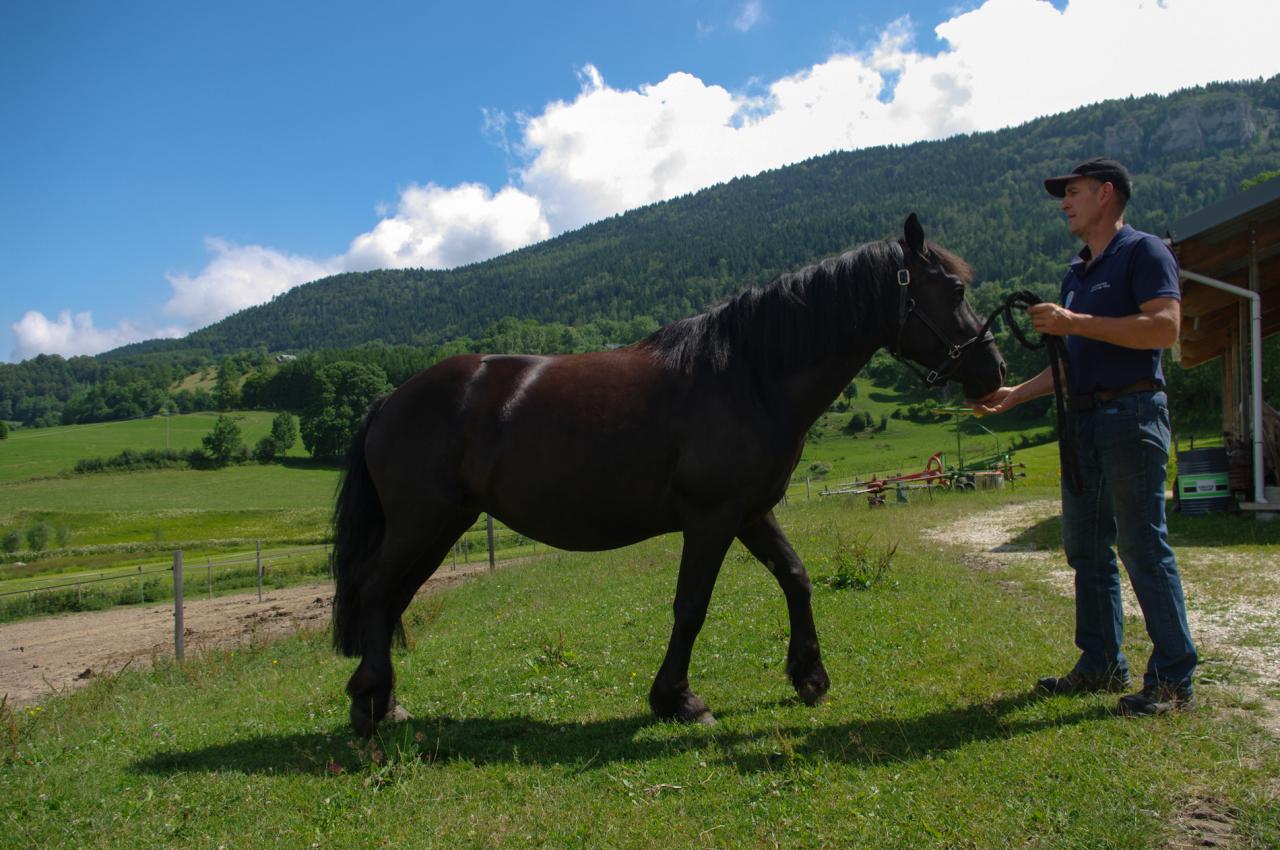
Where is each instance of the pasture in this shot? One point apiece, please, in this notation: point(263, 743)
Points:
point(115, 522)
point(531, 727)
point(832, 456)
point(41, 452)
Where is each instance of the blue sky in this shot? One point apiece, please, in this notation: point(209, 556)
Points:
point(163, 164)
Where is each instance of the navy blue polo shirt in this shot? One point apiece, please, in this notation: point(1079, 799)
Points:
point(1134, 268)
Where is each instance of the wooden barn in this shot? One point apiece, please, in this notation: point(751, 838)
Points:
point(1229, 254)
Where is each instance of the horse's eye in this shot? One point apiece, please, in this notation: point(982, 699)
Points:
point(959, 294)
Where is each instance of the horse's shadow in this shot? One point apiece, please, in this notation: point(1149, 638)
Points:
point(593, 744)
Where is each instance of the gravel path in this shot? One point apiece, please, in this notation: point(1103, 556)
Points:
point(1225, 630)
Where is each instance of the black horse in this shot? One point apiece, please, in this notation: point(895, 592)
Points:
point(696, 428)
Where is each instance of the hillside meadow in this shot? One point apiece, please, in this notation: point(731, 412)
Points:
point(40, 452)
point(111, 525)
point(531, 727)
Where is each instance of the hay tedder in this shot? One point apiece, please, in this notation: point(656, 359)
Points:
point(986, 472)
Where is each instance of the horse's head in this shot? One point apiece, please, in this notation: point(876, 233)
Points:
point(934, 324)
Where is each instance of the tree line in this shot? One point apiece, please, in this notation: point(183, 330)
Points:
point(614, 281)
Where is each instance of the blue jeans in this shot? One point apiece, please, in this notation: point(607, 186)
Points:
point(1123, 448)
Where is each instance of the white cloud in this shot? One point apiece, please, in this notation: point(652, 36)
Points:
point(609, 150)
point(435, 227)
point(70, 335)
point(749, 15)
point(239, 276)
point(1004, 63)
point(432, 227)
point(1015, 60)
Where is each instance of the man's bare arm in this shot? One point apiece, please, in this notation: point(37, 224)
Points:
point(1008, 397)
point(1156, 326)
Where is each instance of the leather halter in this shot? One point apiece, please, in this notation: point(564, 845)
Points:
point(955, 355)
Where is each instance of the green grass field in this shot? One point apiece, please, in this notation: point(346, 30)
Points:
point(532, 728)
point(110, 523)
point(835, 457)
point(37, 452)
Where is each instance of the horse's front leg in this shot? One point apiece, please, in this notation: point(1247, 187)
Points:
point(765, 540)
point(670, 696)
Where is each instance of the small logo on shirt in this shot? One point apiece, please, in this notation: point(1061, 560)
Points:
point(1098, 286)
point(1070, 297)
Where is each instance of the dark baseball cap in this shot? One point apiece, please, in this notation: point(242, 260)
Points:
point(1100, 168)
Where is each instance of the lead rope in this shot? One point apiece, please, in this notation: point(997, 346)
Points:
point(1068, 456)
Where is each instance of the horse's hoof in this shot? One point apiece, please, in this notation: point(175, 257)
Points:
point(398, 714)
point(685, 707)
point(811, 693)
point(813, 686)
point(362, 723)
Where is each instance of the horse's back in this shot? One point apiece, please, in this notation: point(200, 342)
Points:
point(533, 438)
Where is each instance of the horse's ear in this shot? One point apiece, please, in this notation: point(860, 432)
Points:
point(914, 233)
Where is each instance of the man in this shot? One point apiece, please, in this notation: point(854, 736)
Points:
point(1120, 307)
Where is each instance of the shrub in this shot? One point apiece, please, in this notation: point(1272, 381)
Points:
point(131, 460)
point(38, 534)
point(284, 430)
point(11, 541)
point(857, 566)
point(223, 443)
point(858, 422)
point(266, 450)
point(921, 412)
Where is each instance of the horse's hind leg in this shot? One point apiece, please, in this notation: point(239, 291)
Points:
point(765, 540)
point(408, 556)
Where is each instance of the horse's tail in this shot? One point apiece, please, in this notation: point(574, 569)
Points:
point(358, 526)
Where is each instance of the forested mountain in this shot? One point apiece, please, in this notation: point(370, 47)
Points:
point(978, 194)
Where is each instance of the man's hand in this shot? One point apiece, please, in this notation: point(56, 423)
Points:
point(1049, 318)
point(1009, 397)
point(997, 402)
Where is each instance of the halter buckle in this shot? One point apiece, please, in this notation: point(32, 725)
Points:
point(904, 277)
point(932, 378)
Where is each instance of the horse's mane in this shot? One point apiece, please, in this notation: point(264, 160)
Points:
point(797, 318)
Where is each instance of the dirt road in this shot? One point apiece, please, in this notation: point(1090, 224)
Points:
point(39, 658)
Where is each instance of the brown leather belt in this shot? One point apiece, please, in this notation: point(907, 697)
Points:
point(1078, 403)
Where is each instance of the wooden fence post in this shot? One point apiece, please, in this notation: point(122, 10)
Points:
point(179, 638)
point(488, 521)
point(259, 570)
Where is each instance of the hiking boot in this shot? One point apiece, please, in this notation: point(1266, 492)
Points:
point(1156, 699)
point(1075, 682)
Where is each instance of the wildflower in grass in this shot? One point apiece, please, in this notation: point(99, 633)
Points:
point(335, 768)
